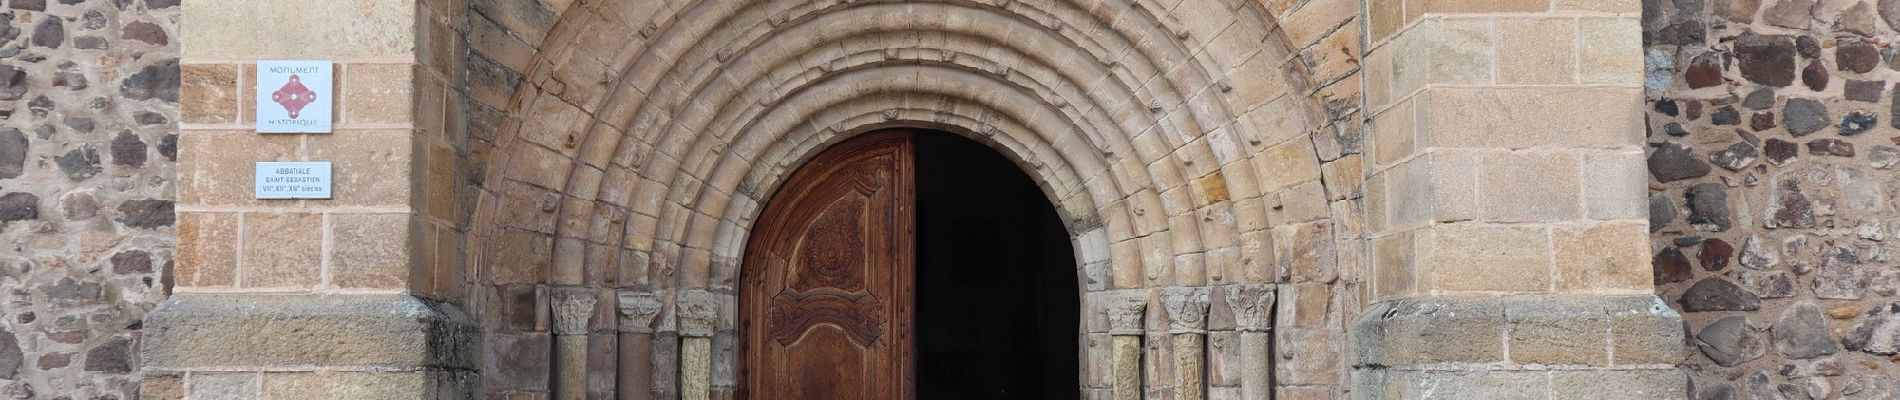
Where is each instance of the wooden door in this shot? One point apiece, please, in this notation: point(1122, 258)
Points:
point(826, 289)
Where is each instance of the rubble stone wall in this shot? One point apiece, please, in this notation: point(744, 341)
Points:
point(88, 101)
point(1773, 129)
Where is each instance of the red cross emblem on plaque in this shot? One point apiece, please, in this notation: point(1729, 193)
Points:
point(294, 96)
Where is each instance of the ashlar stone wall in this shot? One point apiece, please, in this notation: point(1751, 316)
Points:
point(1772, 134)
point(88, 97)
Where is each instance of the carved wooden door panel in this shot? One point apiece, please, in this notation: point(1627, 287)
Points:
point(826, 291)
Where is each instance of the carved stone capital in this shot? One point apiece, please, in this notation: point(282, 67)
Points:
point(1253, 306)
point(697, 312)
point(1126, 312)
point(1187, 309)
point(637, 310)
point(573, 309)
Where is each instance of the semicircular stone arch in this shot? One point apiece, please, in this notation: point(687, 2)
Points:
point(634, 143)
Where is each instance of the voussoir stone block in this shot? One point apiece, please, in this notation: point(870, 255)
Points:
point(253, 332)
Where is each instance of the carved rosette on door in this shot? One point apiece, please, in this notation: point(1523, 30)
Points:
point(827, 289)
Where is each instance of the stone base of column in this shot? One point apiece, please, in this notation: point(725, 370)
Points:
point(1601, 347)
point(353, 346)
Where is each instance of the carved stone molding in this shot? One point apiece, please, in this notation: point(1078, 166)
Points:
point(1126, 312)
point(1187, 309)
point(698, 313)
point(573, 309)
point(1253, 306)
point(637, 310)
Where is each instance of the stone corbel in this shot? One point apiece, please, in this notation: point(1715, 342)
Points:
point(637, 309)
point(573, 311)
point(1126, 313)
point(697, 313)
point(1187, 322)
point(1253, 316)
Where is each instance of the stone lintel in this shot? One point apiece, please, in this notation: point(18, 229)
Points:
point(295, 331)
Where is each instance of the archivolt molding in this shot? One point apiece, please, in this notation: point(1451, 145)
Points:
point(676, 134)
point(648, 134)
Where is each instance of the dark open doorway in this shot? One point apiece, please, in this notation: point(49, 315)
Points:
point(998, 313)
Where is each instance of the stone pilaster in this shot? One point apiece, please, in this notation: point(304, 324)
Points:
point(1506, 204)
point(1187, 326)
point(1253, 316)
point(340, 294)
point(637, 311)
point(1127, 312)
point(698, 314)
point(573, 311)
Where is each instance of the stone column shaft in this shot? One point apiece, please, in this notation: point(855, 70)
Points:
point(1187, 324)
point(1126, 312)
point(637, 311)
point(1253, 317)
point(573, 310)
point(698, 311)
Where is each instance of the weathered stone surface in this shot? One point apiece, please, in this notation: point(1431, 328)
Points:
point(1708, 207)
point(1717, 294)
point(1858, 122)
point(19, 207)
point(1671, 266)
point(1840, 275)
point(1736, 156)
point(217, 330)
point(1805, 116)
point(114, 356)
point(1857, 56)
point(1781, 151)
point(1704, 71)
point(12, 83)
point(1758, 255)
point(132, 262)
point(1815, 76)
point(50, 33)
point(1715, 254)
point(1726, 115)
point(1802, 332)
point(146, 213)
point(145, 32)
point(1865, 91)
point(1789, 207)
point(159, 81)
point(1766, 59)
point(10, 356)
point(1730, 341)
point(1877, 332)
point(13, 148)
point(1831, 147)
point(1796, 14)
point(128, 150)
point(1738, 11)
point(80, 164)
point(1890, 11)
point(1662, 212)
point(1884, 157)
point(1670, 162)
point(1768, 284)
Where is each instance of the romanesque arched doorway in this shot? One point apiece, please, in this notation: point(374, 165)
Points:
point(909, 264)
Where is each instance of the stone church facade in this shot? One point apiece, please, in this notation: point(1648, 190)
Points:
point(1292, 199)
